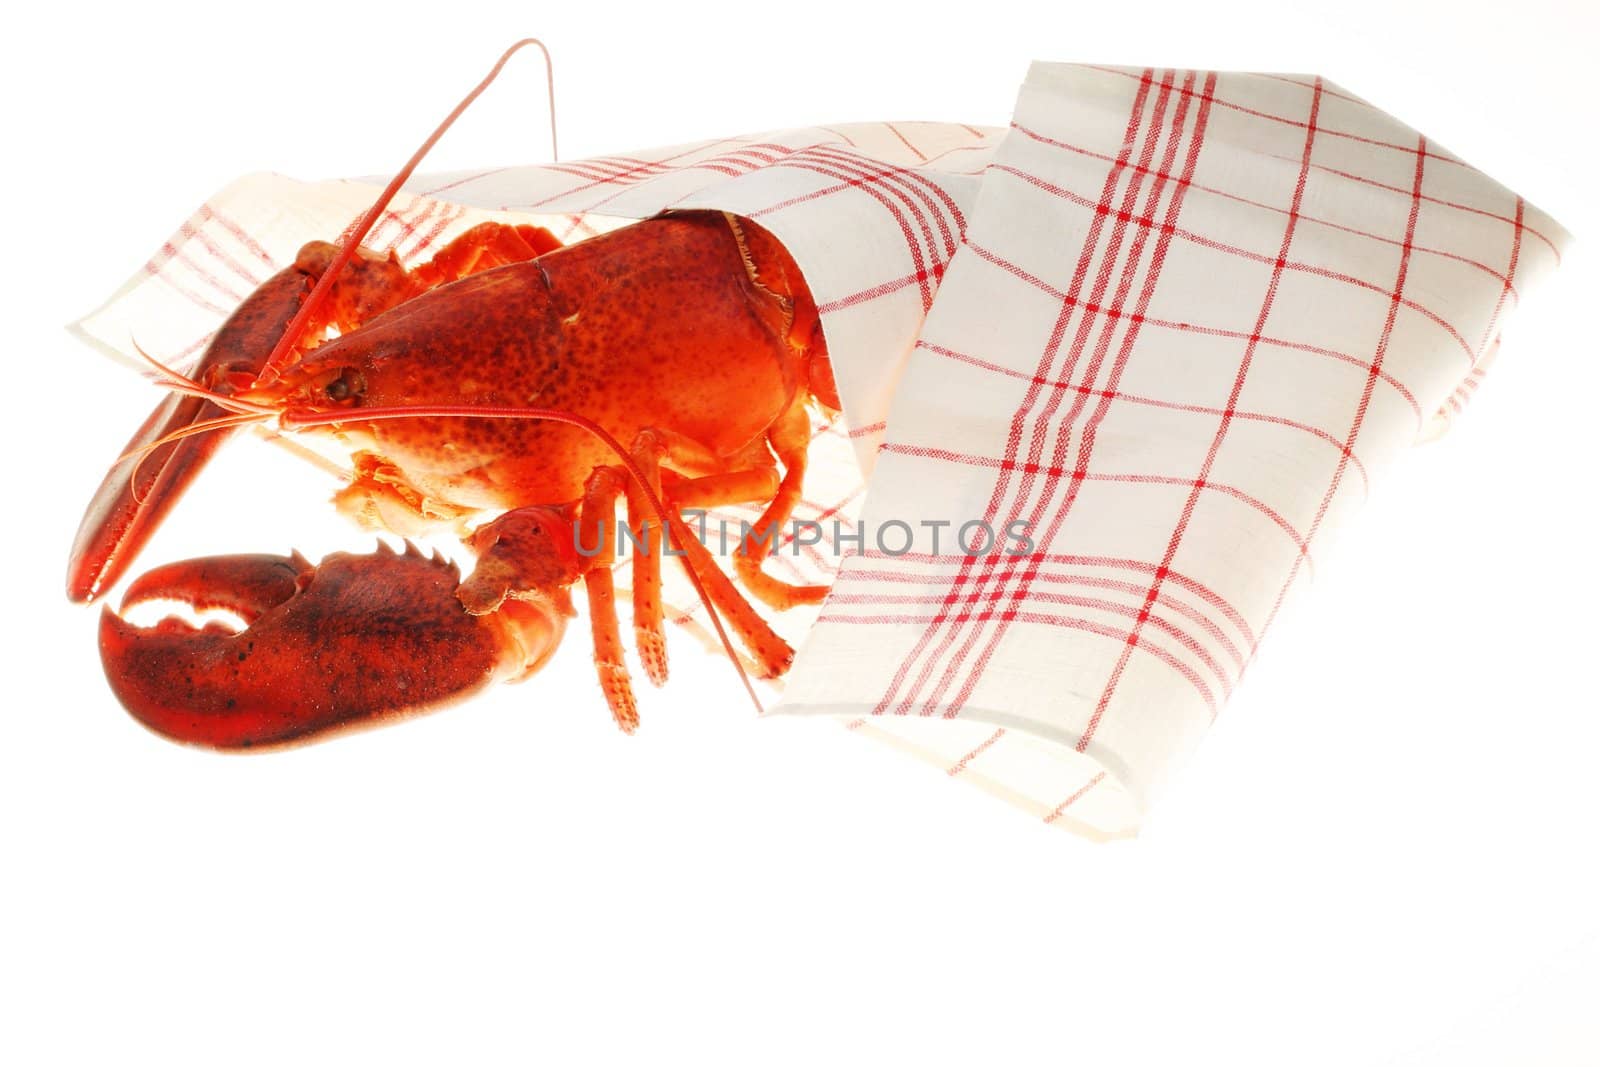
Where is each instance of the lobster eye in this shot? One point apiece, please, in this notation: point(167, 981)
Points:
point(346, 387)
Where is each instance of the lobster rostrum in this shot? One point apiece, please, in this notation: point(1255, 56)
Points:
point(663, 366)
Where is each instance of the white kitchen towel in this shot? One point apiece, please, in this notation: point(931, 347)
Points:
point(1112, 375)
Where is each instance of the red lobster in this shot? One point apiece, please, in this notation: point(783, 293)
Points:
point(502, 377)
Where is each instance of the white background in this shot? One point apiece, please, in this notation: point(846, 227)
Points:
point(1384, 854)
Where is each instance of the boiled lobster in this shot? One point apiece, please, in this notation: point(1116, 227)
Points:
point(663, 366)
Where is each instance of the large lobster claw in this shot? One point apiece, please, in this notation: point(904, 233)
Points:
point(356, 640)
point(122, 516)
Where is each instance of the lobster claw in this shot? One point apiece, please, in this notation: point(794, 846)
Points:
point(358, 639)
point(122, 516)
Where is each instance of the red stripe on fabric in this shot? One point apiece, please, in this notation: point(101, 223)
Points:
point(876, 171)
point(952, 221)
point(764, 152)
point(577, 226)
point(1417, 199)
point(605, 175)
point(1304, 217)
point(193, 348)
point(608, 174)
point(1447, 203)
point(1326, 91)
point(1019, 418)
point(176, 252)
point(1284, 120)
point(1258, 257)
point(238, 233)
point(1209, 331)
point(1204, 476)
point(464, 180)
point(625, 177)
point(860, 171)
point(961, 764)
point(1038, 618)
point(184, 359)
point(1200, 485)
point(927, 265)
point(196, 234)
point(866, 296)
point(1212, 630)
point(194, 298)
point(922, 187)
point(1045, 503)
point(411, 218)
point(1315, 350)
point(1230, 646)
point(985, 147)
point(1169, 405)
point(914, 149)
point(1508, 290)
point(427, 238)
point(378, 238)
point(921, 276)
point(940, 637)
point(912, 188)
point(1182, 581)
point(828, 511)
point(1062, 807)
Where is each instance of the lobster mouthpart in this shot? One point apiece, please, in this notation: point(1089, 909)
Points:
point(358, 639)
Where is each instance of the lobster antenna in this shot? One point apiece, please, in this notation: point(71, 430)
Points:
point(142, 453)
point(293, 420)
point(550, 95)
point(178, 382)
point(352, 240)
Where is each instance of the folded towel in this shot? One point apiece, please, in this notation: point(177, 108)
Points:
point(1112, 378)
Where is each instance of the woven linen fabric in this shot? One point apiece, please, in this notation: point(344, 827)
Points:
point(1112, 375)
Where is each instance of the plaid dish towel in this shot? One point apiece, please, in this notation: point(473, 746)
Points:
point(1112, 376)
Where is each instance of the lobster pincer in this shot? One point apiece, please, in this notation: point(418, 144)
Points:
point(356, 640)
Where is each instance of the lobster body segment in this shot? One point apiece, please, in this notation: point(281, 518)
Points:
point(690, 338)
point(667, 323)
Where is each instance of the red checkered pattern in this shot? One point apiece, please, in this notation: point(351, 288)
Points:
point(1167, 325)
point(1192, 314)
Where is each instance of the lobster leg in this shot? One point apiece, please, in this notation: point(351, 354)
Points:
point(790, 437)
point(599, 506)
point(650, 447)
point(771, 652)
point(596, 540)
point(379, 497)
point(486, 245)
